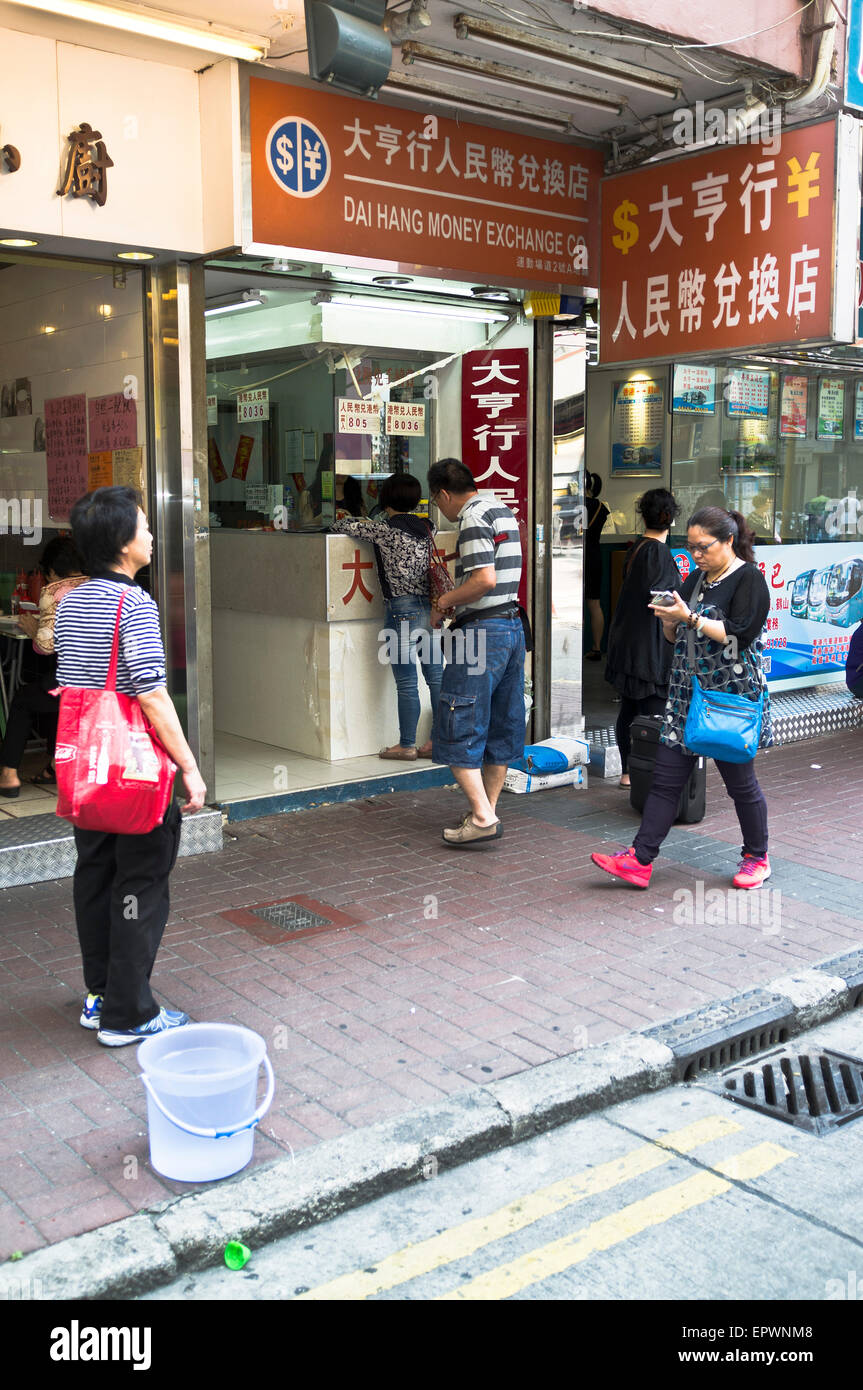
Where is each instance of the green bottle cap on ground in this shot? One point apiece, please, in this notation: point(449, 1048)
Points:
point(236, 1255)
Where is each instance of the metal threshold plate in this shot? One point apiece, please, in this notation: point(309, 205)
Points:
point(815, 1089)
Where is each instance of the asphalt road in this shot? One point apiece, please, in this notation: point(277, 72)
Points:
point(680, 1196)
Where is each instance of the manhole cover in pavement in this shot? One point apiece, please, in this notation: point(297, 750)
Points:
point(817, 1090)
point(288, 919)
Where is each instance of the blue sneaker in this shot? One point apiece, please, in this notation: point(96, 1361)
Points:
point(121, 1037)
point(91, 1013)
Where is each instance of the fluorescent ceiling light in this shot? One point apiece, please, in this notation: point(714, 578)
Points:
point(499, 72)
point(504, 37)
point(446, 96)
point(155, 24)
point(442, 311)
point(250, 299)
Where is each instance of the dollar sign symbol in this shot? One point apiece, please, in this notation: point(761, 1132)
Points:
point(628, 231)
point(286, 162)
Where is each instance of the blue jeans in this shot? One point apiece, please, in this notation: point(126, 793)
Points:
point(481, 714)
point(409, 618)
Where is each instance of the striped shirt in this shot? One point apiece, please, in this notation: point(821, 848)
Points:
point(488, 535)
point(84, 631)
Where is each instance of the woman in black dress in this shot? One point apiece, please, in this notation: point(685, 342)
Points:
point(597, 516)
point(639, 658)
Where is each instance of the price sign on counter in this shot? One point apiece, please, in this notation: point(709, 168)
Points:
point(253, 405)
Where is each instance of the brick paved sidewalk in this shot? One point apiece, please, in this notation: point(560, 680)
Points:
point(458, 968)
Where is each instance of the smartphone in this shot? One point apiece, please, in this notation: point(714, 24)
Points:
point(663, 598)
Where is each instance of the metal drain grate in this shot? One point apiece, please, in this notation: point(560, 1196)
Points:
point(291, 916)
point(289, 919)
point(817, 1090)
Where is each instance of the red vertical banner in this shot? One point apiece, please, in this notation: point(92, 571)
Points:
point(494, 430)
point(242, 456)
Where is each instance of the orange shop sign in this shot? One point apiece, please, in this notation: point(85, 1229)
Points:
point(725, 250)
point(337, 175)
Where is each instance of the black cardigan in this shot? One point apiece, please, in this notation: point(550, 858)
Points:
point(639, 658)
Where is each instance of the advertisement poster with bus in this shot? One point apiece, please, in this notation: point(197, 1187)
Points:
point(816, 601)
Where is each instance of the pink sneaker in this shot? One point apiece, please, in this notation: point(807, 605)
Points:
point(625, 866)
point(752, 872)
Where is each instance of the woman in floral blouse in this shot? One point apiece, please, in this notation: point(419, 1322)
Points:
point(402, 552)
point(723, 604)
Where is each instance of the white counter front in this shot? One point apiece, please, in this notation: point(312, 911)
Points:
point(296, 624)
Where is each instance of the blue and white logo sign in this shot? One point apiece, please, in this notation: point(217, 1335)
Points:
point(298, 157)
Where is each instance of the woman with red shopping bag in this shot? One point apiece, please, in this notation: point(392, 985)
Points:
point(127, 826)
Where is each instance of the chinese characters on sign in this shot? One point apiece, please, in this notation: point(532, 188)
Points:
point(87, 165)
point(113, 422)
point(816, 596)
point(831, 408)
point(637, 428)
point(494, 427)
point(100, 470)
point(747, 393)
point(253, 405)
point(66, 458)
point(331, 172)
point(243, 453)
point(694, 389)
point(356, 567)
point(724, 250)
point(358, 417)
point(406, 417)
point(218, 472)
point(792, 413)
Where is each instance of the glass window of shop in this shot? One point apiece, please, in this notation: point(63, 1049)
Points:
point(783, 445)
point(316, 395)
point(73, 403)
point(299, 432)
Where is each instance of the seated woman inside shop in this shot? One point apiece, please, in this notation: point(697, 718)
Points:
point(60, 565)
point(402, 553)
point(347, 493)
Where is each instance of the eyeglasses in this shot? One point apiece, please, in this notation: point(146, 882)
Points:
point(701, 549)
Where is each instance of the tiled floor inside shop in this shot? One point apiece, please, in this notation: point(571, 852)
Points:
point(31, 801)
point(245, 768)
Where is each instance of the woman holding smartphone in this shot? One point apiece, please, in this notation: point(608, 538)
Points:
point(639, 658)
point(722, 607)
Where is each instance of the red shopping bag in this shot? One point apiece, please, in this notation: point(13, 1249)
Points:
point(113, 774)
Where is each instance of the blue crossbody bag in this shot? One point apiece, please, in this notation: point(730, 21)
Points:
point(720, 724)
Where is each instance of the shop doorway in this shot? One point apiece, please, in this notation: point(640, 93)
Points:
point(317, 392)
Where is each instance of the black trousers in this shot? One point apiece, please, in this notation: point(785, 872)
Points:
point(671, 772)
point(652, 704)
point(121, 895)
point(27, 701)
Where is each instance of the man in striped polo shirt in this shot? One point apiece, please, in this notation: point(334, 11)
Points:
point(479, 722)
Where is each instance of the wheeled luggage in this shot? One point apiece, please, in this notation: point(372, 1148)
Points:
point(645, 741)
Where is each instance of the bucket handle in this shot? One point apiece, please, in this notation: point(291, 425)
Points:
point(218, 1133)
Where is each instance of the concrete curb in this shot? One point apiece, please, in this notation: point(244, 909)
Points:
point(143, 1252)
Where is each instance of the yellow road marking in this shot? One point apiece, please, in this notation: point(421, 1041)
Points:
point(470, 1236)
point(562, 1254)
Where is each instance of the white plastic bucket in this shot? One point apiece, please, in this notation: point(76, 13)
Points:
point(201, 1082)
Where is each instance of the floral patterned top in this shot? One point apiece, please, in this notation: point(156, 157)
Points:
point(741, 601)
